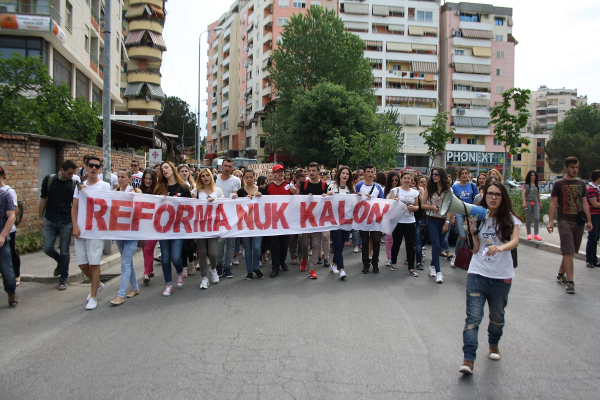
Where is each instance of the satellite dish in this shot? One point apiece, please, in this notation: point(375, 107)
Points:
point(148, 98)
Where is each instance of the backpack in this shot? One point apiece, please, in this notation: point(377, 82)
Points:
point(322, 182)
point(51, 178)
point(19, 213)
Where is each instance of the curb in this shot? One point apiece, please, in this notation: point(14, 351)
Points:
point(552, 248)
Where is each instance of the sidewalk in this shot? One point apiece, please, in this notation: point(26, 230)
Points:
point(551, 242)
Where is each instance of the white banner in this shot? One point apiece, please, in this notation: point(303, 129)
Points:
point(128, 216)
point(261, 169)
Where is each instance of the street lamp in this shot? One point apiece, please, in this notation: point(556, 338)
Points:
point(216, 29)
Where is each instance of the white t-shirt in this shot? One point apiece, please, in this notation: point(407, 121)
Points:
point(114, 180)
point(136, 180)
point(98, 187)
point(407, 197)
point(229, 186)
point(337, 190)
point(498, 266)
point(77, 178)
point(217, 194)
point(12, 192)
point(366, 189)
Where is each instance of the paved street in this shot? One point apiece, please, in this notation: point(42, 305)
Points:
point(383, 336)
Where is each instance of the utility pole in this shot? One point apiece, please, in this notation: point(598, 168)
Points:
point(106, 109)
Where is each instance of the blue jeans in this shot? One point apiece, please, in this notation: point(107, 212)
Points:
point(171, 252)
point(252, 252)
point(479, 290)
point(51, 230)
point(419, 240)
point(127, 250)
point(460, 230)
point(225, 252)
point(356, 238)
point(445, 245)
point(592, 242)
point(338, 238)
point(434, 227)
point(6, 269)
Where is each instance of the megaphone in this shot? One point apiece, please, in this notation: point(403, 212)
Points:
point(452, 204)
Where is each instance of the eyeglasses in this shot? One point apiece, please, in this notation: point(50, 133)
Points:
point(435, 174)
point(495, 195)
point(134, 165)
point(395, 180)
point(97, 166)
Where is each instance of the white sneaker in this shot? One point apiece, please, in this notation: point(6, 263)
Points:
point(431, 270)
point(388, 262)
point(97, 293)
point(215, 275)
point(168, 291)
point(204, 283)
point(235, 261)
point(343, 275)
point(91, 304)
point(334, 269)
point(356, 249)
point(452, 263)
point(180, 280)
point(439, 278)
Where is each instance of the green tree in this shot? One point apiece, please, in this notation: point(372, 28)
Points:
point(436, 136)
point(586, 149)
point(584, 120)
point(177, 119)
point(516, 174)
point(31, 102)
point(508, 125)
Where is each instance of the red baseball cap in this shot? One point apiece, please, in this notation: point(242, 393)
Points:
point(277, 167)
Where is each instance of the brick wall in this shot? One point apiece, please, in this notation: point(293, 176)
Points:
point(19, 155)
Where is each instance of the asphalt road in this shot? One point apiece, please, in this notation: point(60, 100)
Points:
point(384, 336)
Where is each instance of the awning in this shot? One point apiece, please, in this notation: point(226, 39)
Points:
point(482, 52)
point(156, 91)
point(225, 111)
point(482, 69)
point(480, 122)
point(250, 26)
point(157, 10)
point(415, 30)
point(430, 29)
point(396, 9)
point(480, 102)
point(424, 100)
point(265, 63)
point(376, 80)
point(210, 156)
point(375, 61)
point(462, 121)
point(411, 119)
point(133, 89)
point(134, 38)
point(425, 47)
point(393, 98)
point(249, 91)
point(426, 120)
point(395, 28)
point(465, 68)
point(477, 34)
point(428, 78)
point(373, 43)
point(135, 11)
point(481, 85)
point(461, 102)
point(510, 21)
point(425, 67)
point(158, 40)
point(461, 82)
point(357, 26)
point(360, 9)
point(383, 11)
point(395, 46)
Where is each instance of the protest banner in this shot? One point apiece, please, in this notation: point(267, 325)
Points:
point(261, 169)
point(134, 216)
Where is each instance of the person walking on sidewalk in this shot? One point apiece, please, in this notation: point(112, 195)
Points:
point(341, 185)
point(252, 245)
point(7, 220)
point(229, 185)
point(369, 189)
point(573, 213)
point(593, 198)
point(531, 204)
point(490, 273)
point(147, 187)
point(54, 215)
point(16, 260)
point(89, 251)
point(126, 248)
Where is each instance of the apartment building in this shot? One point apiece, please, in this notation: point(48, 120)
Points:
point(142, 26)
point(68, 35)
point(546, 108)
point(477, 53)
point(239, 89)
point(401, 42)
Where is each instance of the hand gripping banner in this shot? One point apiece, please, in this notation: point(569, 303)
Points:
point(134, 216)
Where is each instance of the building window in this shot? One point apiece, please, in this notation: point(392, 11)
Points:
point(541, 142)
point(499, 21)
point(96, 94)
point(86, 39)
point(82, 87)
point(497, 142)
point(455, 140)
point(540, 156)
point(299, 4)
point(499, 38)
point(263, 142)
point(257, 36)
point(283, 3)
point(62, 70)
point(539, 170)
point(499, 89)
point(282, 21)
point(471, 141)
point(248, 141)
point(69, 16)
point(470, 17)
point(517, 157)
point(500, 54)
point(562, 102)
point(499, 71)
point(459, 52)
point(315, 3)
point(426, 16)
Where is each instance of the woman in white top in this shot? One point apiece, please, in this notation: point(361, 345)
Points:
point(406, 223)
point(126, 247)
point(392, 182)
point(490, 272)
point(207, 191)
point(341, 185)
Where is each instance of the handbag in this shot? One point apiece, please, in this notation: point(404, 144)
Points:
point(581, 217)
point(464, 254)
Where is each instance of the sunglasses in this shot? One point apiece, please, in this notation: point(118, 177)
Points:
point(134, 165)
point(96, 166)
point(323, 173)
point(395, 180)
point(435, 174)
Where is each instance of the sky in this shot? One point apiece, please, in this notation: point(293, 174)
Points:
point(558, 46)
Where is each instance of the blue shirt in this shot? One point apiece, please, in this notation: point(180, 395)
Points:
point(374, 190)
point(465, 192)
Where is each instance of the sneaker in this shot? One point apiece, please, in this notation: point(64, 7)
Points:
point(334, 269)
point(284, 267)
point(431, 270)
point(56, 271)
point(494, 352)
point(562, 279)
point(249, 276)
point(452, 264)
point(388, 262)
point(219, 270)
point(312, 274)
point(235, 261)
point(259, 274)
point(538, 237)
point(158, 258)
point(228, 273)
point(274, 273)
point(413, 273)
point(62, 286)
point(356, 249)
point(89, 296)
point(420, 267)
point(320, 261)
point(180, 280)
point(467, 367)
point(326, 263)
point(375, 269)
point(424, 248)
point(392, 267)
point(529, 237)
point(168, 290)
point(91, 304)
point(146, 278)
point(343, 275)
point(571, 288)
point(204, 284)
point(590, 264)
point(215, 276)
point(365, 270)
point(303, 265)
point(439, 278)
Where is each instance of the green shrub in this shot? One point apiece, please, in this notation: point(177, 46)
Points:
point(517, 202)
point(29, 243)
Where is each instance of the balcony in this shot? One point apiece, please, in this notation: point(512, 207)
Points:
point(144, 24)
point(226, 75)
point(226, 47)
point(152, 106)
point(226, 61)
point(214, 108)
point(227, 33)
point(214, 83)
point(268, 21)
point(26, 8)
point(143, 76)
point(158, 3)
point(149, 53)
point(225, 89)
point(481, 26)
point(473, 112)
point(224, 104)
point(466, 42)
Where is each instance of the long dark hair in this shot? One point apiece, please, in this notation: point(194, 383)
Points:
point(432, 186)
point(388, 182)
point(349, 184)
point(528, 178)
point(505, 213)
point(162, 186)
point(143, 188)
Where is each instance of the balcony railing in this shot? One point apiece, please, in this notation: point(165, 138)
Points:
point(95, 16)
point(94, 59)
point(24, 7)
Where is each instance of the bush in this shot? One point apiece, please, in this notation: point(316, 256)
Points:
point(29, 243)
point(516, 199)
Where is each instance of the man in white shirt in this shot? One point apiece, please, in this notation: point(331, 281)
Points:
point(229, 185)
point(136, 175)
point(369, 189)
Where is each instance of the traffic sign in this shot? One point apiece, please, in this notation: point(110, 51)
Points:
point(155, 156)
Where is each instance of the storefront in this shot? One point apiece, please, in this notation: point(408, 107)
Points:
point(476, 161)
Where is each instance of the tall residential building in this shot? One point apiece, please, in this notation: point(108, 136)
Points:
point(143, 23)
point(546, 108)
point(477, 60)
point(68, 35)
point(239, 88)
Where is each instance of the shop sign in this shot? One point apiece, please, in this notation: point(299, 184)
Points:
point(469, 156)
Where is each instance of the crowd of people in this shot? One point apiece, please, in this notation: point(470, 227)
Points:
point(493, 240)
